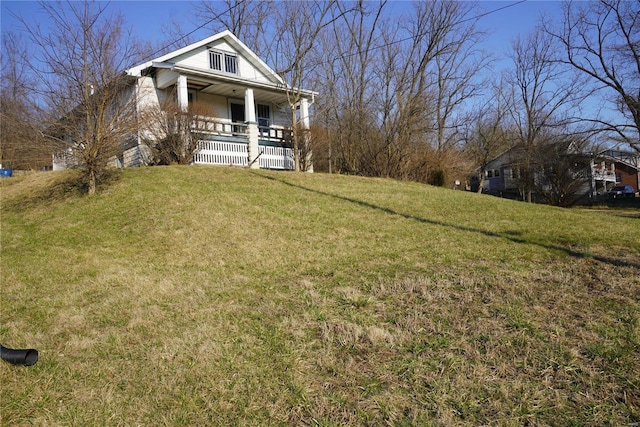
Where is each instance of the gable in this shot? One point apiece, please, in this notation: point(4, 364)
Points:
point(196, 56)
point(199, 59)
point(507, 158)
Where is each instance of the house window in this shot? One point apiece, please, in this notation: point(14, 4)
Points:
point(263, 115)
point(226, 62)
point(489, 174)
point(215, 60)
point(230, 63)
point(496, 173)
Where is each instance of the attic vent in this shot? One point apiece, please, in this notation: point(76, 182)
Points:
point(222, 61)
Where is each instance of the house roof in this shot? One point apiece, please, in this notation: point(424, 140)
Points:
point(229, 38)
point(170, 61)
point(516, 153)
point(628, 158)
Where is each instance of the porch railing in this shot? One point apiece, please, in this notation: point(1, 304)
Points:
point(280, 136)
point(226, 153)
point(276, 157)
point(221, 153)
point(212, 126)
point(604, 175)
point(267, 134)
point(226, 143)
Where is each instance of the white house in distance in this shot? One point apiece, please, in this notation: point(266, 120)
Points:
point(252, 123)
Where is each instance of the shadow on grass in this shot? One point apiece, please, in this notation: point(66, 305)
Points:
point(512, 236)
point(66, 185)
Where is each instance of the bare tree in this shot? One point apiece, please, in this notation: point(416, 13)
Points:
point(489, 135)
point(412, 105)
point(395, 89)
point(562, 170)
point(455, 83)
point(249, 20)
point(601, 40)
point(540, 97)
point(429, 78)
point(349, 57)
point(171, 134)
point(326, 109)
point(298, 27)
point(21, 145)
point(90, 102)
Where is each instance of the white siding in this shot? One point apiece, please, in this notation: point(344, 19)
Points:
point(223, 45)
point(248, 71)
point(147, 93)
point(216, 102)
point(165, 78)
point(281, 117)
point(199, 58)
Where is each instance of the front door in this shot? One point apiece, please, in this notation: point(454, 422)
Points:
point(237, 116)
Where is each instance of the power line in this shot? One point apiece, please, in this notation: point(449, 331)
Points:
point(192, 31)
point(473, 18)
point(497, 10)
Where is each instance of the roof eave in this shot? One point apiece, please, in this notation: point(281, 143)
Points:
point(245, 82)
point(231, 38)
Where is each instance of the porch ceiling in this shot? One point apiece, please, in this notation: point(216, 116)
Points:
point(231, 90)
point(209, 82)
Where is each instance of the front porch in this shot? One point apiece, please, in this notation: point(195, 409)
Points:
point(228, 143)
point(251, 128)
point(249, 109)
point(602, 178)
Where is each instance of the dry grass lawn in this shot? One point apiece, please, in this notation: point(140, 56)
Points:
point(221, 296)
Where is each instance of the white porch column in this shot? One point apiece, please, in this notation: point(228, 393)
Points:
point(183, 96)
point(613, 172)
point(249, 106)
point(305, 125)
point(252, 128)
point(592, 177)
point(304, 113)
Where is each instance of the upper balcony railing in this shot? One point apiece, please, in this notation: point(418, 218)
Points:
point(601, 174)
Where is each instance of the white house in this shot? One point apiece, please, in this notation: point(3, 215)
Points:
point(252, 123)
point(589, 174)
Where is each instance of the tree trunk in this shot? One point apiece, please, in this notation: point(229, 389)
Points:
point(296, 144)
point(92, 182)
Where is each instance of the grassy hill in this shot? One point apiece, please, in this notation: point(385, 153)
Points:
point(222, 296)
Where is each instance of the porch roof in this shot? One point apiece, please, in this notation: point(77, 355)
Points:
point(209, 81)
point(274, 89)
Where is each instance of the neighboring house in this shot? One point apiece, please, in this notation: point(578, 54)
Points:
point(595, 173)
point(252, 123)
point(627, 167)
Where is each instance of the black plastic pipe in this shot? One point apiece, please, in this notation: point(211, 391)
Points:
point(26, 356)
